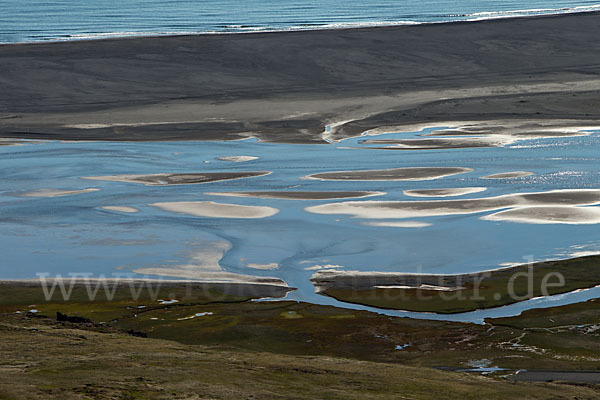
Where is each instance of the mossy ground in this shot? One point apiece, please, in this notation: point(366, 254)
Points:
point(494, 290)
point(44, 359)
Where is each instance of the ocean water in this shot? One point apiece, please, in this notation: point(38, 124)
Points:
point(38, 20)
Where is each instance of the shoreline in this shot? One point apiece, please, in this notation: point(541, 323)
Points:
point(342, 26)
point(296, 90)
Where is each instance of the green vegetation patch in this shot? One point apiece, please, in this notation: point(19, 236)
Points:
point(470, 292)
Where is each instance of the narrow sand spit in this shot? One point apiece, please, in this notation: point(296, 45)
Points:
point(58, 192)
point(178, 179)
point(413, 209)
point(398, 224)
point(237, 158)
point(123, 209)
point(216, 210)
point(549, 215)
point(394, 174)
point(298, 195)
point(509, 175)
point(450, 192)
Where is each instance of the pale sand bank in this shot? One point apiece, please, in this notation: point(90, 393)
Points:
point(413, 209)
point(299, 195)
point(323, 267)
point(58, 192)
point(123, 209)
point(237, 158)
point(216, 210)
point(397, 224)
point(177, 179)
point(394, 174)
point(549, 215)
point(264, 267)
point(509, 175)
point(448, 192)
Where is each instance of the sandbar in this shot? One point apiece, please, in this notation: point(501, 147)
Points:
point(509, 175)
point(448, 192)
point(299, 195)
point(412, 209)
point(264, 267)
point(178, 179)
point(123, 209)
point(393, 174)
point(237, 158)
point(549, 215)
point(211, 209)
point(58, 192)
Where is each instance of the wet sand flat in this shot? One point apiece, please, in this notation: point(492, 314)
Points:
point(509, 175)
point(299, 195)
point(394, 174)
point(211, 209)
point(165, 88)
point(177, 179)
point(57, 192)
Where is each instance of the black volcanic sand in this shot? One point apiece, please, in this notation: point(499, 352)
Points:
point(178, 179)
point(393, 174)
point(288, 86)
point(322, 195)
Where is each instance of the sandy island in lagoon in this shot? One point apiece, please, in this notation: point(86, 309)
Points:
point(177, 179)
point(298, 195)
point(392, 174)
point(449, 192)
point(568, 200)
point(210, 209)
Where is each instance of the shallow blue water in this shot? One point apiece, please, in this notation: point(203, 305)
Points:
point(34, 20)
point(72, 234)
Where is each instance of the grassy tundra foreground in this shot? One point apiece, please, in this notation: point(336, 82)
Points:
point(230, 347)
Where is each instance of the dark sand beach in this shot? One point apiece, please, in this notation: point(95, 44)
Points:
point(289, 86)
